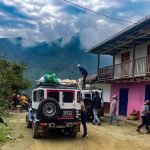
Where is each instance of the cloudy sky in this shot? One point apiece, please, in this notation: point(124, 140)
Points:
point(49, 20)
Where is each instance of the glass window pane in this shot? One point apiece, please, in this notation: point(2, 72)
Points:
point(54, 95)
point(34, 96)
point(68, 97)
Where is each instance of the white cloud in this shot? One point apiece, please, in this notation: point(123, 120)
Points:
point(97, 4)
point(92, 36)
point(52, 21)
point(135, 1)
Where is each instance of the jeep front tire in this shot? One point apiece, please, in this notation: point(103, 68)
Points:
point(28, 122)
point(35, 133)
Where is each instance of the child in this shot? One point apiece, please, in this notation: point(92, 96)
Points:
point(83, 119)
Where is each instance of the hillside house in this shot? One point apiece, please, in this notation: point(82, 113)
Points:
point(129, 75)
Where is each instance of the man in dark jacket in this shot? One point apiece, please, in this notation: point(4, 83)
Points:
point(96, 104)
point(83, 73)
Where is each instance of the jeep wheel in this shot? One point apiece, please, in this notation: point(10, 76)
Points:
point(73, 134)
point(28, 122)
point(35, 133)
point(49, 108)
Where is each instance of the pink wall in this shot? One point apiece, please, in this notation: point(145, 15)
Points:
point(136, 94)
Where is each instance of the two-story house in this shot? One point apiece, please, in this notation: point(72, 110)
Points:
point(129, 76)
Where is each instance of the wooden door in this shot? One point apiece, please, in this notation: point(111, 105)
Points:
point(125, 58)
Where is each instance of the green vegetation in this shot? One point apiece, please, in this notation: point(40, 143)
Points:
point(4, 131)
point(11, 79)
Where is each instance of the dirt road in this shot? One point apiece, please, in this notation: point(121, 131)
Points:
point(105, 137)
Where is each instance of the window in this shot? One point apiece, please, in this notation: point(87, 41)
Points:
point(54, 95)
point(34, 96)
point(78, 96)
point(87, 95)
point(40, 95)
point(68, 97)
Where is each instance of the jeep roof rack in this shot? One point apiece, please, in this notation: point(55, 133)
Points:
point(57, 86)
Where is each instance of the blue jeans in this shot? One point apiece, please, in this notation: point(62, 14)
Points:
point(96, 119)
point(113, 116)
point(83, 121)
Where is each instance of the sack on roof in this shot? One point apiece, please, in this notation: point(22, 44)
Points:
point(49, 78)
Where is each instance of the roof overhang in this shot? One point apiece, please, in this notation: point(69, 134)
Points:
point(137, 34)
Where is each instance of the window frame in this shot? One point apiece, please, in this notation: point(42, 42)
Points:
point(34, 96)
point(39, 97)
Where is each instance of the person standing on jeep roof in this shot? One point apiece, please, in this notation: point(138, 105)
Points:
point(96, 104)
point(83, 73)
point(83, 119)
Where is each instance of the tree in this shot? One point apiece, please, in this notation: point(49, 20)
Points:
point(11, 79)
point(19, 81)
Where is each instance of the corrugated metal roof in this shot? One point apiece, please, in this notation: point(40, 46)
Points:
point(136, 34)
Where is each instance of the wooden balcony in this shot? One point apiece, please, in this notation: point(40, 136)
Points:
point(135, 68)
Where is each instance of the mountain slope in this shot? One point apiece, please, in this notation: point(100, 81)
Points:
point(53, 57)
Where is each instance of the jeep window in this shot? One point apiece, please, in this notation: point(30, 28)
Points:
point(40, 95)
point(93, 95)
point(34, 96)
point(88, 95)
point(78, 97)
point(54, 95)
point(68, 97)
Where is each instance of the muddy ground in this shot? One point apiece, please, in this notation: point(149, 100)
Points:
point(105, 137)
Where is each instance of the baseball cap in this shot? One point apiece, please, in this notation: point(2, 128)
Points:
point(78, 65)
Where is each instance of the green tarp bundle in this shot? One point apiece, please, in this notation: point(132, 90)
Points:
point(50, 78)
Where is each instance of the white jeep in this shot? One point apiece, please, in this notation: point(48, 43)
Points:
point(54, 107)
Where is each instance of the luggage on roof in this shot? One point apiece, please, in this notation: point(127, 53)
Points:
point(48, 79)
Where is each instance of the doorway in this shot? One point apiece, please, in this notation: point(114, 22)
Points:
point(123, 101)
point(147, 92)
point(125, 58)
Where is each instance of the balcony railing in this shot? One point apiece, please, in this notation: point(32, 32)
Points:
point(136, 67)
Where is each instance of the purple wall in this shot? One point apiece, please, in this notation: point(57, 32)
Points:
point(136, 95)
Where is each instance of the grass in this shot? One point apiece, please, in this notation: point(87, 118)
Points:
point(4, 131)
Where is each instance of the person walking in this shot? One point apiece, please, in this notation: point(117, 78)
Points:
point(83, 73)
point(96, 104)
point(14, 100)
point(113, 110)
point(144, 116)
point(84, 119)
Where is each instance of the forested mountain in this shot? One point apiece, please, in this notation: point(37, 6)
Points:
point(55, 57)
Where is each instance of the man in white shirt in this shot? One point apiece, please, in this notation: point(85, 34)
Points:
point(113, 110)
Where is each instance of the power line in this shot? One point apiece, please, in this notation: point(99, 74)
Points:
point(118, 19)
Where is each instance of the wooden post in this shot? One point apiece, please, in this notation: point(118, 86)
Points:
point(113, 73)
point(98, 66)
point(133, 65)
